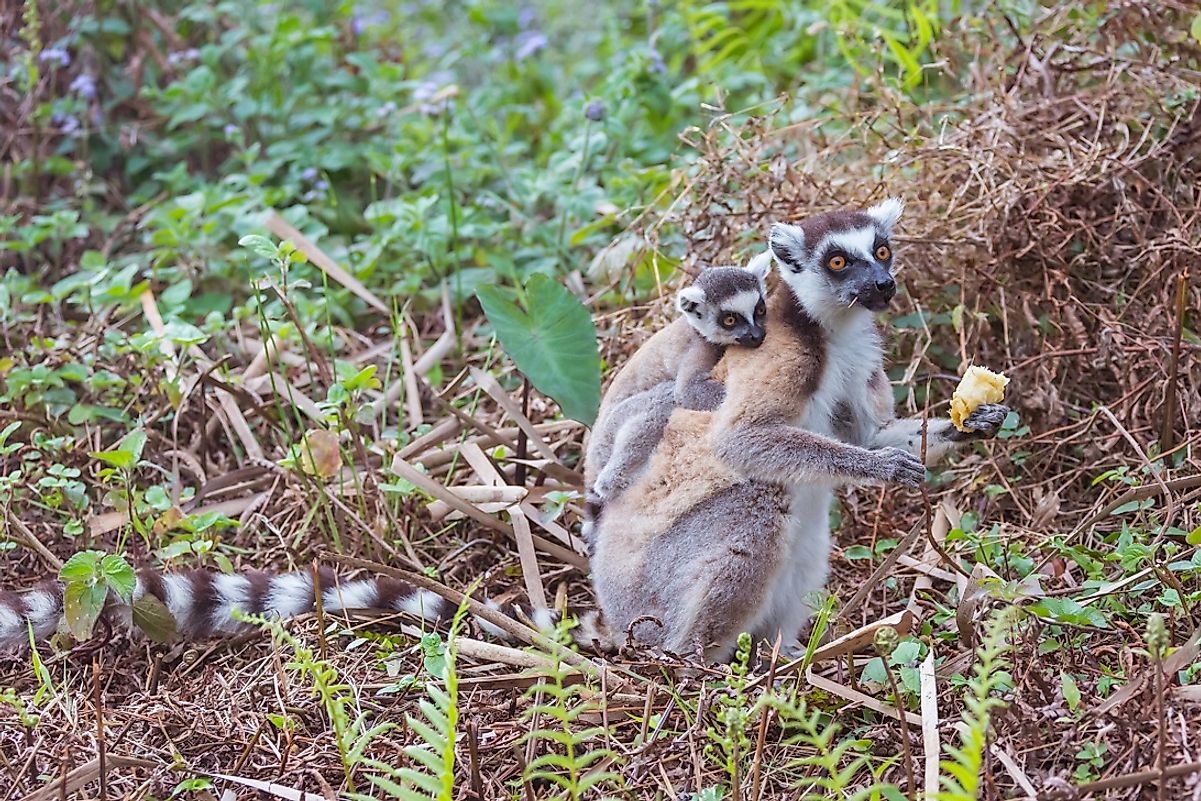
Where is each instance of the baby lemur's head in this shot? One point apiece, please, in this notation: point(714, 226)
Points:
point(840, 259)
point(725, 304)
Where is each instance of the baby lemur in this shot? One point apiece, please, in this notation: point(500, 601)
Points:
point(724, 306)
point(727, 529)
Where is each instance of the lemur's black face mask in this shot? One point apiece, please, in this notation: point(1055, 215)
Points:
point(748, 333)
point(859, 281)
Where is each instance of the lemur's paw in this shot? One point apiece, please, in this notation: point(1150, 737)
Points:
point(898, 466)
point(985, 421)
point(603, 488)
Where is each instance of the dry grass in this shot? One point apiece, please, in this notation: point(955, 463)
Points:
point(1058, 212)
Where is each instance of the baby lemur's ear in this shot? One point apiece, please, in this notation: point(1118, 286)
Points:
point(760, 266)
point(787, 243)
point(690, 299)
point(887, 212)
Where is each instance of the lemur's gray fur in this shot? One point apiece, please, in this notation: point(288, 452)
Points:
point(723, 306)
point(727, 530)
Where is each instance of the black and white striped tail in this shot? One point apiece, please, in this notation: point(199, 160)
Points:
point(203, 602)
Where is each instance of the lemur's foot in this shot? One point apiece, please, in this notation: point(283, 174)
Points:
point(604, 487)
point(894, 465)
point(985, 421)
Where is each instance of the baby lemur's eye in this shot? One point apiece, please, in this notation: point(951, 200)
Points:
point(761, 309)
point(728, 321)
point(837, 263)
point(882, 253)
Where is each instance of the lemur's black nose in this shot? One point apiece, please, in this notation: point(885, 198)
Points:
point(886, 285)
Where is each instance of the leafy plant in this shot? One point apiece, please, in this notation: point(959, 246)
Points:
point(550, 336)
point(732, 711)
point(568, 763)
point(961, 774)
point(88, 578)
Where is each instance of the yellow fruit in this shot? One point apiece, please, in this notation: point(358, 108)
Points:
point(979, 385)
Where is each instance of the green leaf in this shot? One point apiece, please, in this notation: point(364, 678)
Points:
point(127, 453)
point(1065, 610)
point(259, 244)
point(1194, 536)
point(82, 568)
point(82, 605)
point(1195, 29)
point(552, 341)
point(119, 576)
point(154, 619)
point(1071, 691)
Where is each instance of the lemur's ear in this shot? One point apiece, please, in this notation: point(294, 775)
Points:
point(887, 212)
point(689, 299)
point(760, 266)
point(787, 244)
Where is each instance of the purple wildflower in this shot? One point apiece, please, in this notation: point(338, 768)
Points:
point(55, 54)
point(309, 173)
point(66, 123)
point(657, 64)
point(595, 111)
point(427, 90)
point(528, 43)
point(527, 17)
point(321, 185)
point(84, 85)
point(178, 57)
point(230, 130)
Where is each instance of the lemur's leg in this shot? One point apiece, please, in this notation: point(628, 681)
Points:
point(645, 415)
point(941, 434)
point(695, 387)
point(778, 452)
point(718, 565)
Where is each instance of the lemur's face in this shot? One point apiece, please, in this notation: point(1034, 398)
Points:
point(842, 258)
point(726, 304)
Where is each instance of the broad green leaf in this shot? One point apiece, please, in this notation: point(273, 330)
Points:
point(82, 568)
point(1065, 610)
point(82, 605)
point(1196, 28)
point(552, 341)
point(119, 576)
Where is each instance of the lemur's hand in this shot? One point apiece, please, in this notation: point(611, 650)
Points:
point(894, 465)
point(985, 421)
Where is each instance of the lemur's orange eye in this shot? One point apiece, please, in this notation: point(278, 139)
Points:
point(728, 321)
point(837, 263)
point(882, 253)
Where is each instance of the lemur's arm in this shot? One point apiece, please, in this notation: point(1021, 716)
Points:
point(695, 387)
point(782, 453)
point(644, 417)
point(942, 436)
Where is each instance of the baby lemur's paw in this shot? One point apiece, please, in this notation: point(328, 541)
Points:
point(897, 466)
point(602, 488)
point(985, 421)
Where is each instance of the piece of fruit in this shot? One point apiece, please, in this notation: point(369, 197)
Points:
point(979, 385)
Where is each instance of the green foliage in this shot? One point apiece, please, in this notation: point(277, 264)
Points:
point(962, 774)
point(729, 743)
point(88, 578)
point(832, 767)
point(550, 336)
point(431, 778)
point(558, 706)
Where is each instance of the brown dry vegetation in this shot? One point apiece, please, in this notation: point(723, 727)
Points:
point(1058, 212)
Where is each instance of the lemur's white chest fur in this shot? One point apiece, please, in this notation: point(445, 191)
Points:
point(852, 355)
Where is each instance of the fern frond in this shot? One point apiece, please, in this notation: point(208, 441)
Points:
point(961, 772)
